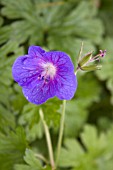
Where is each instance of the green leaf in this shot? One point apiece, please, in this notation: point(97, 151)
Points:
point(92, 141)
point(26, 167)
point(51, 111)
point(76, 115)
point(77, 109)
point(106, 14)
point(5, 32)
point(8, 53)
point(71, 153)
point(23, 167)
point(5, 122)
point(5, 97)
point(18, 101)
point(107, 65)
point(12, 148)
point(1, 21)
point(32, 162)
point(53, 18)
point(88, 90)
point(10, 49)
point(27, 24)
point(47, 168)
point(94, 153)
point(29, 118)
point(16, 9)
point(75, 23)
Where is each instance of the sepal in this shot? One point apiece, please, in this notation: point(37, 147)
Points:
point(91, 67)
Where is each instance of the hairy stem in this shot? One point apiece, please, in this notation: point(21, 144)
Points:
point(48, 139)
point(61, 132)
point(80, 52)
point(41, 157)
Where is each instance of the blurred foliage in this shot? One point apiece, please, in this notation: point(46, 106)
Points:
point(57, 25)
point(12, 148)
point(94, 152)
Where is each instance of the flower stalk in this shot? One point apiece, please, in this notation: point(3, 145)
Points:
point(61, 132)
point(48, 139)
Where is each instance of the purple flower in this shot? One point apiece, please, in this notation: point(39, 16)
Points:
point(43, 75)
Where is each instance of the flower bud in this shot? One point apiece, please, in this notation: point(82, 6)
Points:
point(91, 67)
point(88, 61)
point(84, 60)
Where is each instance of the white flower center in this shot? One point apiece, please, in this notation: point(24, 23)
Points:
point(49, 69)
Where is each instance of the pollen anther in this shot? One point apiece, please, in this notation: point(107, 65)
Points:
point(49, 70)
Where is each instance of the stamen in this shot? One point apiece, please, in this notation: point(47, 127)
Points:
point(39, 77)
point(43, 78)
point(49, 70)
point(102, 53)
point(46, 81)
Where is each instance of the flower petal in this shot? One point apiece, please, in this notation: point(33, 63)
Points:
point(25, 70)
point(65, 79)
point(66, 86)
point(61, 60)
point(39, 92)
point(35, 51)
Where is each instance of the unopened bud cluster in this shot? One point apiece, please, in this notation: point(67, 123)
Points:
point(87, 62)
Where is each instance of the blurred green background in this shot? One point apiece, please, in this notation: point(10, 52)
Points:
point(57, 25)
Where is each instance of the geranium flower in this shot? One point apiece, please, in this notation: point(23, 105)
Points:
point(43, 75)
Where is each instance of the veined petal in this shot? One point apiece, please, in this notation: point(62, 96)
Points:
point(35, 51)
point(66, 86)
point(65, 79)
point(39, 92)
point(25, 70)
point(60, 59)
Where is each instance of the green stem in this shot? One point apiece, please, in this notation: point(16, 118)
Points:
point(61, 131)
point(77, 69)
point(41, 157)
point(48, 139)
point(80, 52)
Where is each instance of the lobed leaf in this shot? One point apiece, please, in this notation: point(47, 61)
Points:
point(12, 148)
